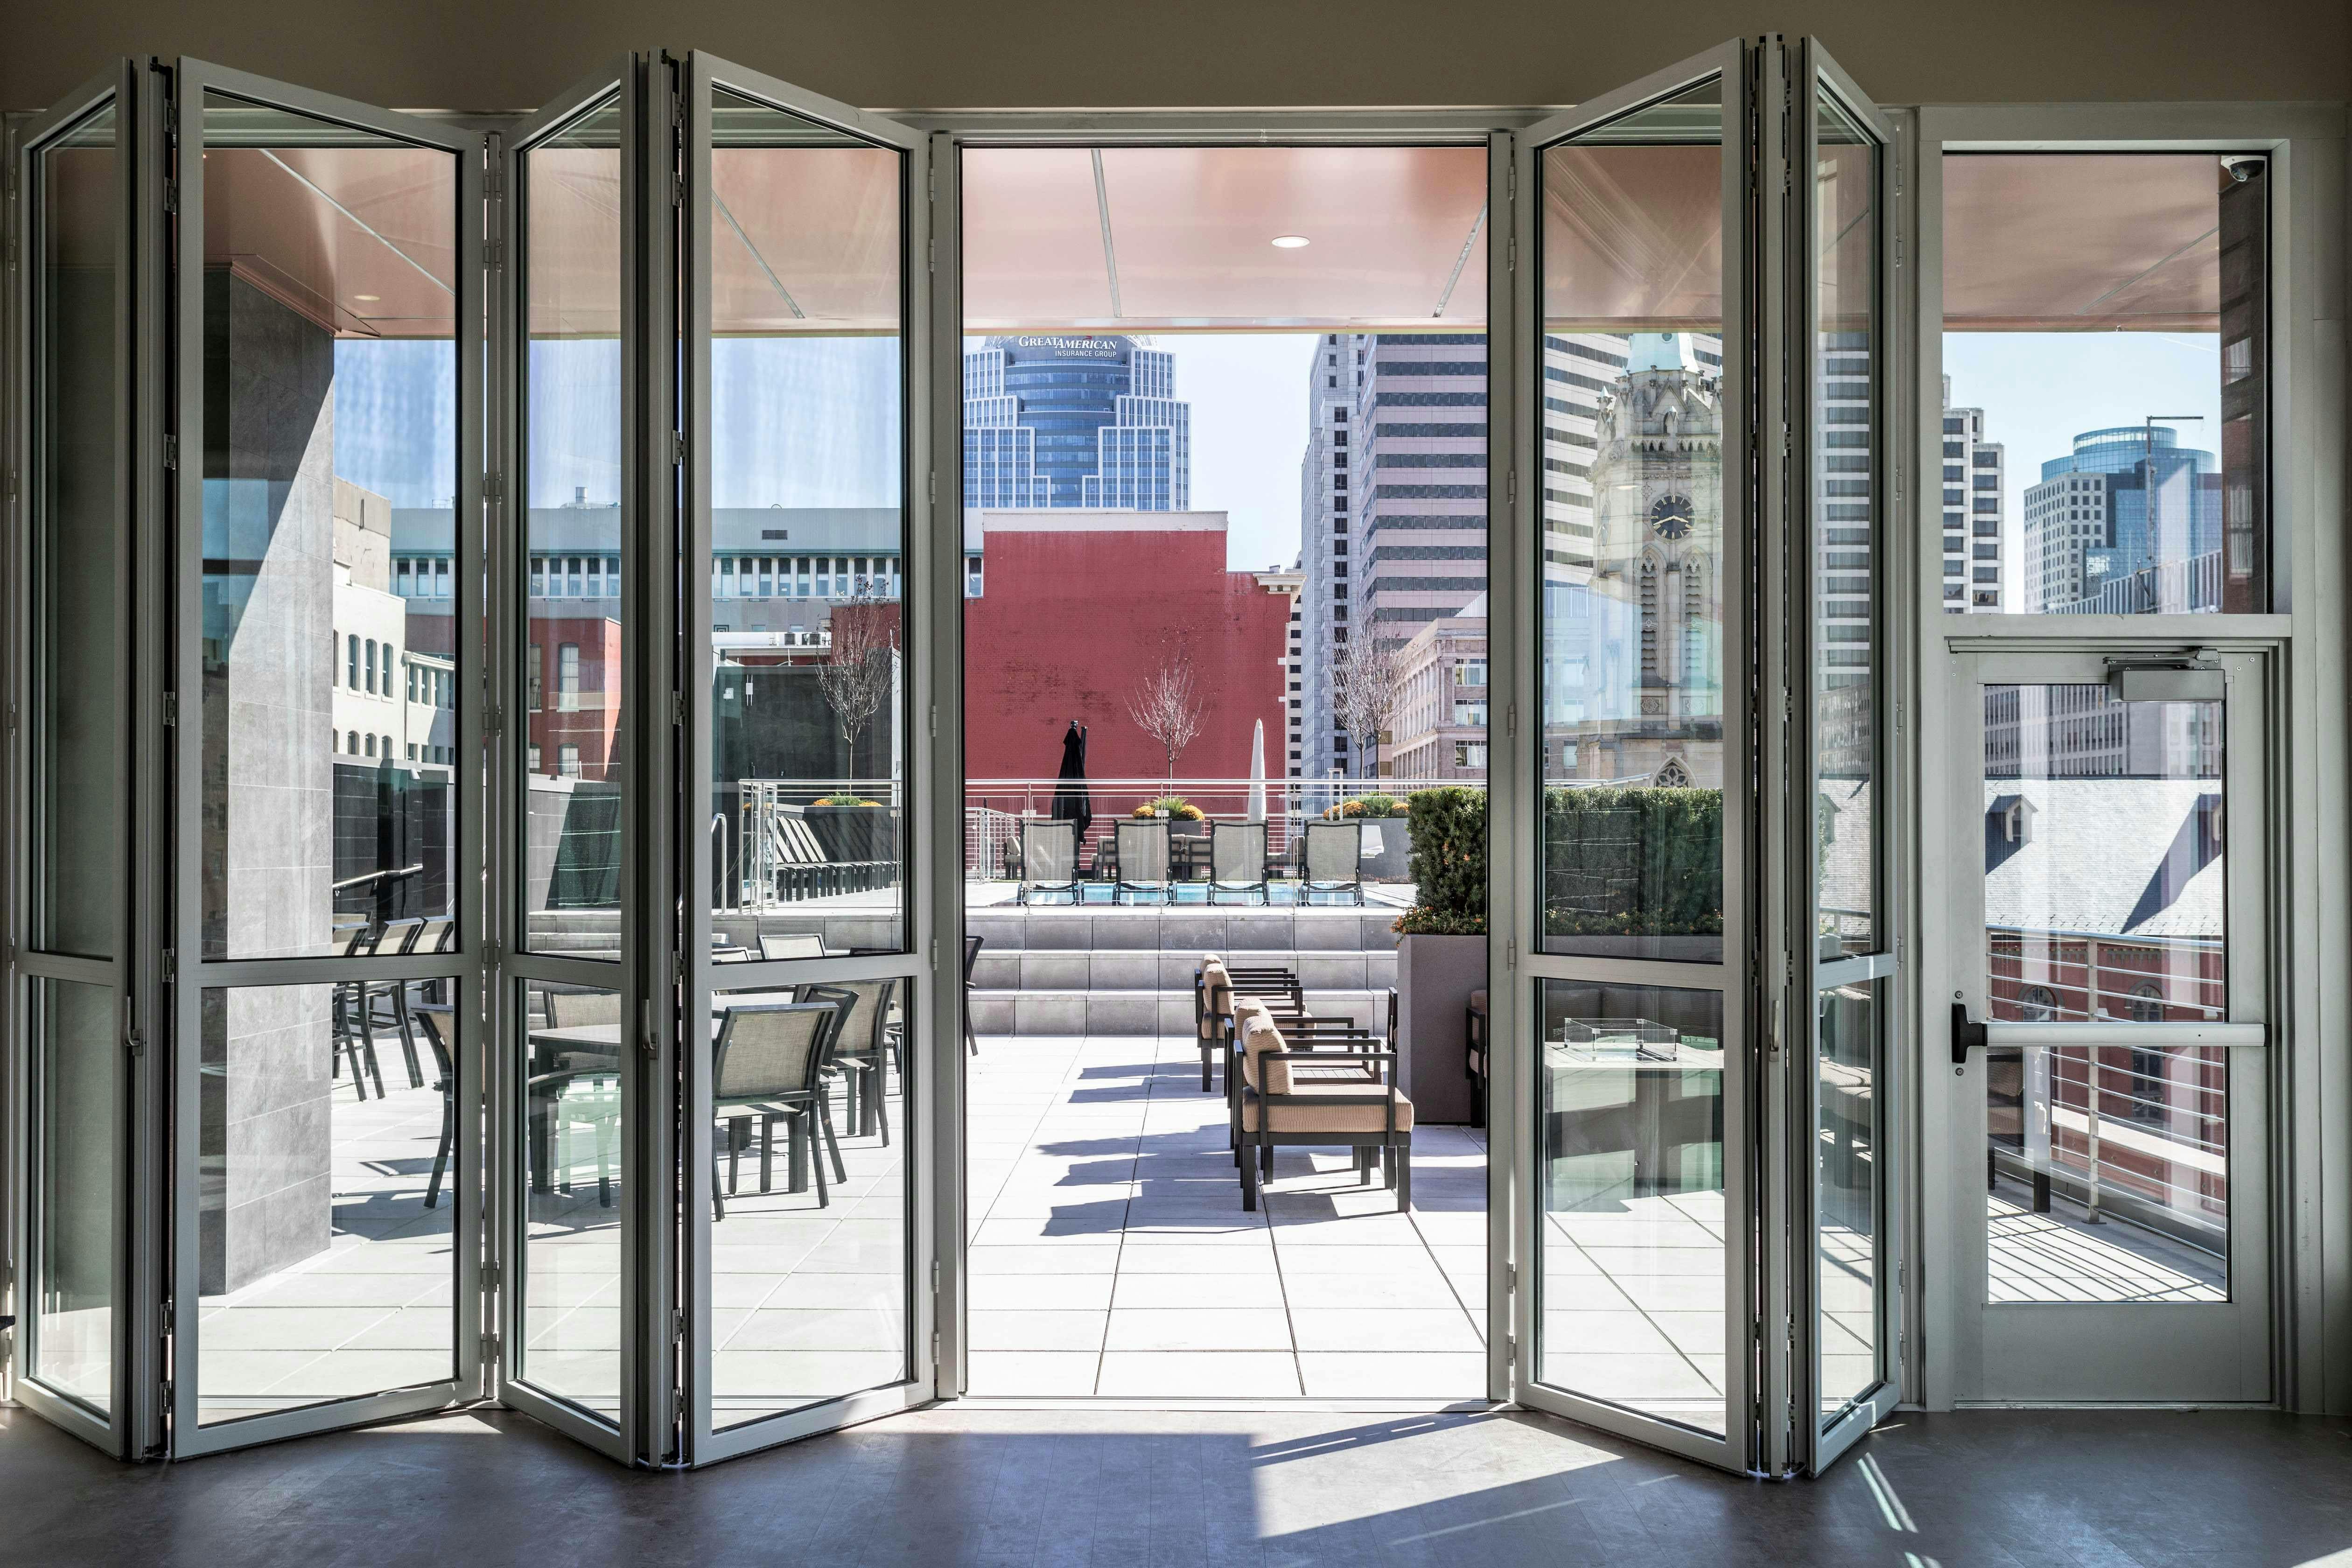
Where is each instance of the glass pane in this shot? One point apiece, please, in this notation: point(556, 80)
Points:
point(329, 456)
point(1846, 1196)
point(77, 1110)
point(76, 550)
point(808, 692)
point(574, 1165)
point(2104, 872)
point(808, 1227)
point(327, 1193)
point(1630, 1166)
point(571, 478)
point(2107, 1174)
point(1845, 523)
point(2106, 355)
point(1634, 545)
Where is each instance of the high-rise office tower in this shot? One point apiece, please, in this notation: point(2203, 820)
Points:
point(2127, 523)
point(1975, 476)
point(1075, 420)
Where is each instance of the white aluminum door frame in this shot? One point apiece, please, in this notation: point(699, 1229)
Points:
point(631, 1433)
point(932, 1015)
point(1520, 968)
point(192, 80)
point(132, 1422)
point(2138, 1352)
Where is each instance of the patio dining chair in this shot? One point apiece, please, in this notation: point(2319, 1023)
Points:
point(350, 1030)
point(1049, 858)
point(1237, 859)
point(1143, 860)
point(972, 945)
point(861, 1049)
point(432, 1023)
point(1335, 860)
point(791, 945)
point(769, 1062)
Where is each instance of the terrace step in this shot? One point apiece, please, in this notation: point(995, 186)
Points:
point(1126, 970)
point(1075, 1012)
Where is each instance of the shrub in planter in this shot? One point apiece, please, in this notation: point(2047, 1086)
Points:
point(1374, 805)
point(1449, 863)
point(1177, 808)
point(1628, 862)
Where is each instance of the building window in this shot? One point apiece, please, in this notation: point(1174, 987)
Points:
point(567, 678)
point(2037, 1004)
point(440, 579)
point(371, 668)
point(351, 669)
point(1469, 753)
point(1470, 673)
point(371, 746)
point(567, 761)
point(539, 577)
point(410, 677)
point(351, 743)
point(531, 679)
point(533, 759)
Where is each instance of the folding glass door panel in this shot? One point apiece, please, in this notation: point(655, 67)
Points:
point(71, 987)
point(2118, 1098)
point(803, 1049)
point(1700, 1196)
point(582, 1206)
point(325, 446)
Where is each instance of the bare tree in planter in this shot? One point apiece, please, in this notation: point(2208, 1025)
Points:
point(1368, 686)
point(1166, 705)
point(860, 670)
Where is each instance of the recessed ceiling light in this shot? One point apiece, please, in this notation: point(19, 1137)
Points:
point(1290, 242)
point(370, 299)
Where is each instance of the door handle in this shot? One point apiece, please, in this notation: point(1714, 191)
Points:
point(1968, 1035)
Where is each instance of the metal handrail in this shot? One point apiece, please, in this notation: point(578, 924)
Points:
point(376, 876)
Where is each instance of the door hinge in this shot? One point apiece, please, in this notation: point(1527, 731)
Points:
point(490, 1350)
point(167, 1390)
point(1511, 1278)
point(677, 449)
point(170, 451)
point(935, 721)
point(171, 965)
point(494, 485)
point(677, 1328)
point(494, 718)
point(935, 1262)
point(935, 1351)
point(171, 195)
point(1787, 448)
point(1511, 488)
point(493, 251)
point(1511, 255)
point(677, 710)
point(11, 250)
point(678, 1406)
point(494, 952)
point(491, 1276)
point(935, 968)
point(1511, 954)
point(935, 487)
point(676, 190)
point(1510, 719)
point(171, 709)
point(12, 484)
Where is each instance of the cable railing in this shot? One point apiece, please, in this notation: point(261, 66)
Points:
point(2142, 1132)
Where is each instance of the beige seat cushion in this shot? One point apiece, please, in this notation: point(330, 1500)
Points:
point(1259, 1037)
point(1216, 992)
point(1363, 1111)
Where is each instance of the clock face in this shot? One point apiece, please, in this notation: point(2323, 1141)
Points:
point(1671, 516)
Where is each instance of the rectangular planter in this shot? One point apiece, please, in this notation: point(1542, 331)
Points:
point(1435, 976)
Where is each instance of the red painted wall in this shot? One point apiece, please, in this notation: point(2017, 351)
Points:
point(1069, 623)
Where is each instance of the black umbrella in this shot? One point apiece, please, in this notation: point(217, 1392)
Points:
point(1071, 799)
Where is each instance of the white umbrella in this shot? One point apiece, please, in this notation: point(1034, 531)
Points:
point(1258, 774)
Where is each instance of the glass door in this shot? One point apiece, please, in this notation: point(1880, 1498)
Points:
point(73, 997)
point(581, 1144)
point(805, 1045)
point(324, 955)
point(2110, 1037)
point(1701, 944)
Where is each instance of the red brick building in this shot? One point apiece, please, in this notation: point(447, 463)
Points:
point(1077, 608)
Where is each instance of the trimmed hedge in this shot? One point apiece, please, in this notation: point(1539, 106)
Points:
point(1633, 862)
point(1448, 829)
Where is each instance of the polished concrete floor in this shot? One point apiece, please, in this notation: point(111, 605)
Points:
point(1103, 1486)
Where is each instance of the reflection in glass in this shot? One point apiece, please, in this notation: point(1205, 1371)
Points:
point(69, 1309)
point(807, 456)
point(1844, 517)
point(808, 1233)
point(1630, 1167)
point(575, 1168)
point(327, 1194)
point(2106, 881)
point(1635, 546)
point(330, 681)
point(76, 542)
point(1846, 1190)
point(2106, 344)
point(572, 485)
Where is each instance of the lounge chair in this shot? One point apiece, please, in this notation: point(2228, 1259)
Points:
point(1143, 860)
point(1335, 860)
point(1049, 858)
point(1237, 859)
point(791, 944)
point(1319, 1099)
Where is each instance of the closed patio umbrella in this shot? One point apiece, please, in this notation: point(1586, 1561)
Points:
point(1257, 772)
point(1071, 799)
